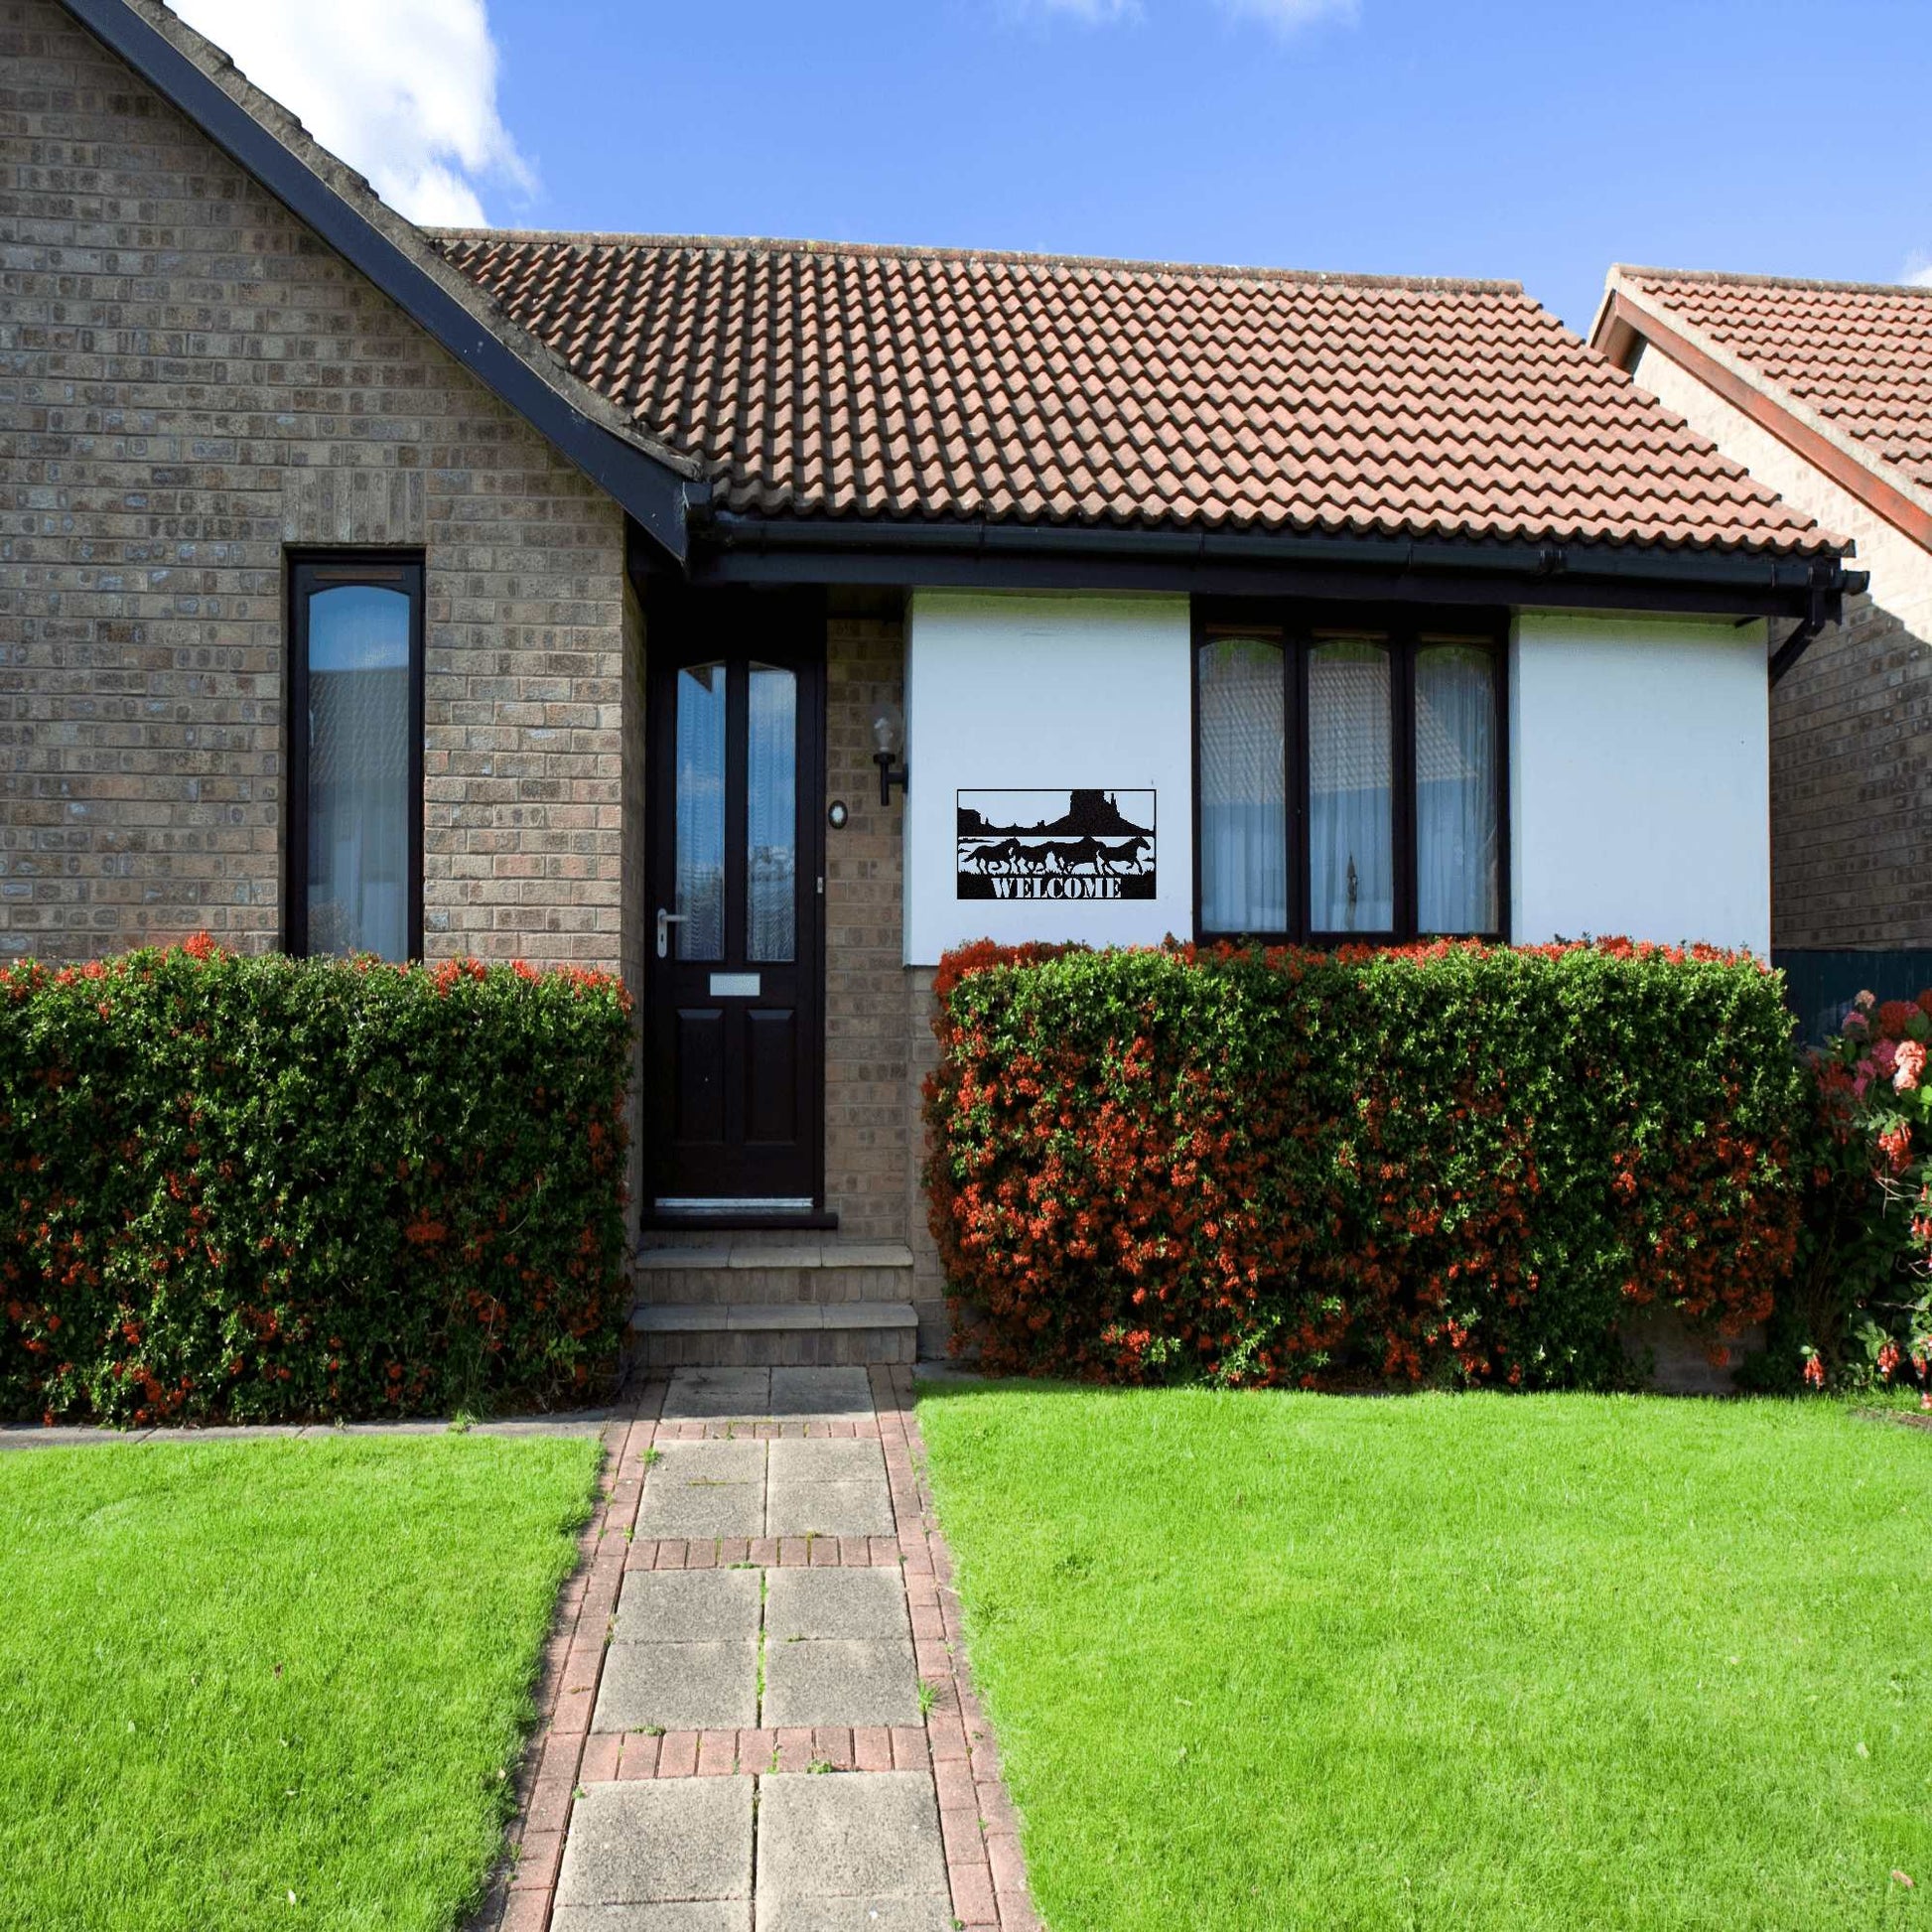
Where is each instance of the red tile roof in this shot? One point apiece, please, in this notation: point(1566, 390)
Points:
point(870, 382)
point(1858, 355)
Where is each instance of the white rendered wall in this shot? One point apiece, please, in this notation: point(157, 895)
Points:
point(1901, 571)
point(1037, 691)
point(1640, 798)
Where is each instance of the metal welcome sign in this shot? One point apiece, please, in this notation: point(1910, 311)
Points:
point(1055, 844)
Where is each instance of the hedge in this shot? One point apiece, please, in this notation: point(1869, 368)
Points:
point(1453, 1163)
point(270, 1189)
point(1858, 1315)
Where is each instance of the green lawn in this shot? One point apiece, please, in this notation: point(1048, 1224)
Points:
point(231, 1673)
point(1456, 1661)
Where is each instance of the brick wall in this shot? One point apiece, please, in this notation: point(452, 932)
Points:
point(879, 1039)
point(1852, 788)
point(866, 1122)
point(1851, 723)
point(189, 384)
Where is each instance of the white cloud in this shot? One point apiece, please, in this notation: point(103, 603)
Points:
point(1290, 16)
point(1917, 270)
point(403, 91)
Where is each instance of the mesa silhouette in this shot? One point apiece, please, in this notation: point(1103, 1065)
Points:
point(1089, 814)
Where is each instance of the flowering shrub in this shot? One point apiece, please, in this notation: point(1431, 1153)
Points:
point(1451, 1161)
point(1864, 1310)
point(264, 1189)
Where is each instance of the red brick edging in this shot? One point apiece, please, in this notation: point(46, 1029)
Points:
point(977, 1822)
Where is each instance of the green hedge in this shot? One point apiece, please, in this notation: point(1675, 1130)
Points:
point(1453, 1163)
point(264, 1189)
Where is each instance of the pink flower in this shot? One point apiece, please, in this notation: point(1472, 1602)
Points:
point(1883, 1055)
point(1856, 1023)
point(1866, 1002)
point(1909, 1063)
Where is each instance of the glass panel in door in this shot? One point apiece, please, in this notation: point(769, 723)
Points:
point(700, 870)
point(771, 816)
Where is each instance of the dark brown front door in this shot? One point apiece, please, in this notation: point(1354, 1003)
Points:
point(733, 935)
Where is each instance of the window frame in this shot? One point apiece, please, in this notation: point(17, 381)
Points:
point(1298, 624)
point(310, 571)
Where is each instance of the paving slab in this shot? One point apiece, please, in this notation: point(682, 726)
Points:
point(828, 1509)
point(65, 1436)
point(815, 1460)
point(658, 1842)
point(830, 1604)
point(834, 1848)
point(847, 1684)
point(704, 1489)
point(680, 1687)
point(705, 1394)
point(815, 1392)
point(691, 1607)
point(706, 1915)
point(866, 1912)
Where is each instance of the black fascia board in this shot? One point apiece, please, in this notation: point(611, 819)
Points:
point(652, 493)
point(730, 547)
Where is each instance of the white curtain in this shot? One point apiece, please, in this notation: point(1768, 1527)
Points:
point(360, 772)
point(1243, 787)
point(1351, 871)
point(1456, 884)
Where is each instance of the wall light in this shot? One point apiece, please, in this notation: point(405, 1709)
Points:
point(889, 744)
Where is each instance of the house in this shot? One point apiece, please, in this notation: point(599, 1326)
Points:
point(760, 619)
point(1823, 392)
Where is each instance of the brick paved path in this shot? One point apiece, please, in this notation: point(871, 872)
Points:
point(757, 1715)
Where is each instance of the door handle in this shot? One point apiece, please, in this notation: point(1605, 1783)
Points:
point(665, 921)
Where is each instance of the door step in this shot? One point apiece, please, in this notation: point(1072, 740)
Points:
point(733, 1270)
point(776, 1335)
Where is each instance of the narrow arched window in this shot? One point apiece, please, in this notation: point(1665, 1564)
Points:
point(354, 857)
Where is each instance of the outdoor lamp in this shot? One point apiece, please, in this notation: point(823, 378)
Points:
point(888, 743)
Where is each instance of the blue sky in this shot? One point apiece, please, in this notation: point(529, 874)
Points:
point(1538, 142)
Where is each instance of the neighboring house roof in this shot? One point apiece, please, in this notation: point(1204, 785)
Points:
point(1841, 371)
point(602, 440)
point(918, 383)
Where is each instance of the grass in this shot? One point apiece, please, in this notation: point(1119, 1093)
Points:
point(1449, 1662)
point(272, 1683)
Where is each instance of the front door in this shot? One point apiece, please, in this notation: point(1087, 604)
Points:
point(732, 1104)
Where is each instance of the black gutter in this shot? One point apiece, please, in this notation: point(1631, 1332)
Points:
point(653, 492)
point(730, 547)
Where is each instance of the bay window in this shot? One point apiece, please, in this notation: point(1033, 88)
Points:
point(355, 861)
point(1349, 777)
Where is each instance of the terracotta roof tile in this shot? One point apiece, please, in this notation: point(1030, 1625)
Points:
point(1858, 354)
point(815, 381)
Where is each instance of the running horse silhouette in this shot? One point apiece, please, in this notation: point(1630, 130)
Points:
point(1007, 856)
point(1124, 857)
point(1078, 855)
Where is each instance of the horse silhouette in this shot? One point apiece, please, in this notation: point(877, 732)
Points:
point(1007, 856)
point(1077, 855)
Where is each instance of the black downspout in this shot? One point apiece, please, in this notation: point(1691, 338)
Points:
point(1822, 613)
